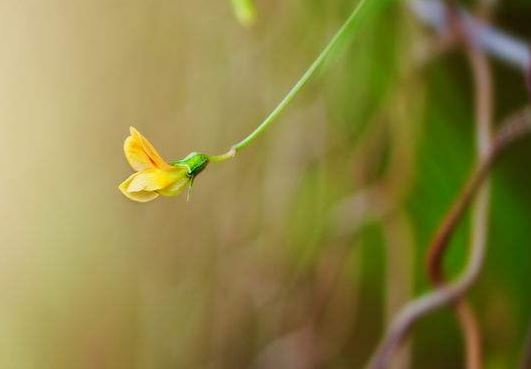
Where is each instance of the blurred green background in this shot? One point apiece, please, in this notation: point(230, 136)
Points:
point(295, 254)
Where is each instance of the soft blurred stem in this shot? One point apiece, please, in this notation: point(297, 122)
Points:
point(514, 128)
point(480, 212)
point(245, 12)
point(472, 334)
point(339, 40)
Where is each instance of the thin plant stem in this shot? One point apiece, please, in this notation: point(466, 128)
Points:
point(514, 128)
point(480, 211)
point(483, 116)
point(472, 334)
point(341, 36)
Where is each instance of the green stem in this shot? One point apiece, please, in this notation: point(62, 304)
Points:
point(341, 35)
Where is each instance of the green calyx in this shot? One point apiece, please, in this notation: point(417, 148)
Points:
point(194, 163)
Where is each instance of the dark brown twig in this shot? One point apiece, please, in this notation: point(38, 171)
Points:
point(515, 127)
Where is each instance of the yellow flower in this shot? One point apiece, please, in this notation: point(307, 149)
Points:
point(154, 176)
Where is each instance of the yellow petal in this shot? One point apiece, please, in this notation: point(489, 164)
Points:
point(153, 155)
point(155, 179)
point(175, 188)
point(141, 154)
point(135, 154)
point(140, 196)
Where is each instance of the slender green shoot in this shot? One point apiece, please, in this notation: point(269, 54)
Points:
point(339, 39)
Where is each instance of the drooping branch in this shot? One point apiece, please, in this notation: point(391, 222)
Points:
point(515, 127)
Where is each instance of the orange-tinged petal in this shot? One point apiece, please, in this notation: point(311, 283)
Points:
point(135, 154)
point(140, 196)
point(153, 155)
point(141, 154)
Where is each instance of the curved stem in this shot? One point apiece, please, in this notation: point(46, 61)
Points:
point(445, 294)
point(472, 334)
point(341, 35)
point(228, 155)
point(516, 126)
point(480, 211)
point(483, 116)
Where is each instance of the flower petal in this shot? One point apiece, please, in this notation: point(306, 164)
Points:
point(135, 155)
point(140, 196)
point(150, 151)
point(141, 154)
point(175, 188)
point(154, 179)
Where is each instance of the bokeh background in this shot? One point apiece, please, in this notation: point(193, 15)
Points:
point(294, 255)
